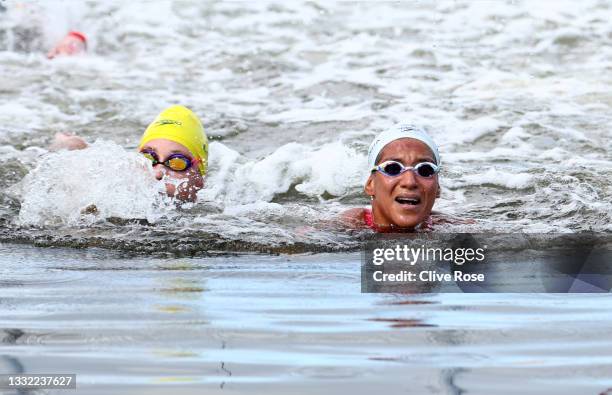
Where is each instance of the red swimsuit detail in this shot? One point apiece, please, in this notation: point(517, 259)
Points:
point(369, 219)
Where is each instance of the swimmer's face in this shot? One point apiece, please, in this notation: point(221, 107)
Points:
point(183, 185)
point(391, 194)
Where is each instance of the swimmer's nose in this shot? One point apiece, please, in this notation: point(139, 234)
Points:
point(159, 171)
point(408, 180)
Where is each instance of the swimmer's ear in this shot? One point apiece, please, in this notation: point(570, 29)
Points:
point(369, 186)
point(438, 192)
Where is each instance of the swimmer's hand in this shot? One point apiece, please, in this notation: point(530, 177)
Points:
point(67, 141)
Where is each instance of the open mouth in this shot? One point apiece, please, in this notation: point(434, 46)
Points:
point(412, 201)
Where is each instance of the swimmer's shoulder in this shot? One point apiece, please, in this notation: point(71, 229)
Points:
point(354, 217)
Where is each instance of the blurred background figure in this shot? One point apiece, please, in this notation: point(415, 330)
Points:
point(72, 44)
point(35, 27)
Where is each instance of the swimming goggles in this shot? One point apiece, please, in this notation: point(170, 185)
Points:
point(393, 168)
point(176, 162)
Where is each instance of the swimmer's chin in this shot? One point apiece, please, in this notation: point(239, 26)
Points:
point(184, 194)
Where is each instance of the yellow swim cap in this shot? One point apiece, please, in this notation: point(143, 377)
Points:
point(181, 125)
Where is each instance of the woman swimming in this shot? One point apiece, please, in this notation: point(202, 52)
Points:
point(404, 163)
point(175, 143)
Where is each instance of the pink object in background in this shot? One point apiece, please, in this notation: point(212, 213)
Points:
point(73, 43)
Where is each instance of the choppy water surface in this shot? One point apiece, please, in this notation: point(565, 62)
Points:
point(517, 94)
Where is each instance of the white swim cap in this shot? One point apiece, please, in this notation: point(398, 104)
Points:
point(400, 132)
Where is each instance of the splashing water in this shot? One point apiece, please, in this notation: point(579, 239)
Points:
point(86, 186)
point(332, 169)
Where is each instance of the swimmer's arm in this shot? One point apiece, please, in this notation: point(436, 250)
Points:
point(67, 141)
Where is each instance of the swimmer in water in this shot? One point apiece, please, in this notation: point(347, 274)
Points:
point(404, 163)
point(176, 145)
point(73, 43)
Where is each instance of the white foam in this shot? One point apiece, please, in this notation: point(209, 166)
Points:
point(257, 208)
point(515, 135)
point(67, 184)
point(473, 130)
point(322, 113)
point(11, 111)
point(499, 178)
point(333, 168)
point(555, 153)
